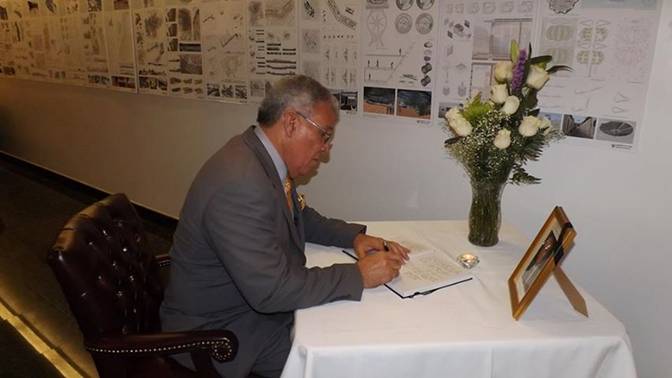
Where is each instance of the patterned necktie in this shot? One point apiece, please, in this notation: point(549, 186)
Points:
point(287, 185)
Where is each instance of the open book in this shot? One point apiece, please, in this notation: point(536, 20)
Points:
point(425, 272)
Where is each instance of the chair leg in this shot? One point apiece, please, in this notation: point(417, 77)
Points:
point(203, 364)
point(110, 366)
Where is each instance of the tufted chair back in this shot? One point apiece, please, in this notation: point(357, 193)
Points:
point(111, 282)
point(108, 276)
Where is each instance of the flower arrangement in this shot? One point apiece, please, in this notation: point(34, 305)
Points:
point(494, 139)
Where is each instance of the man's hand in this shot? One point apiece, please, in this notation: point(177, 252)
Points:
point(379, 268)
point(379, 259)
point(365, 244)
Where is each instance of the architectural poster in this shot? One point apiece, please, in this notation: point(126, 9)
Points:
point(403, 60)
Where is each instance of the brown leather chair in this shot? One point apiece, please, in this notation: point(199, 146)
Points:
point(112, 284)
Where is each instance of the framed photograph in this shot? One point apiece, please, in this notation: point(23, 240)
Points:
point(549, 247)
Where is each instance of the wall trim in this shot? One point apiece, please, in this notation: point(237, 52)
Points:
point(41, 173)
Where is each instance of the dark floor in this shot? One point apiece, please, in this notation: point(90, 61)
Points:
point(18, 359)
point(34, 205)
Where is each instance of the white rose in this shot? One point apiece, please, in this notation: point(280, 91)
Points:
point(503, 71)
point(511, 105)
point(529, 126)
point(545, 123)
point(453, 113)
point(537, 77)
point(499, 93)
point(503, 139)
point(461, 126)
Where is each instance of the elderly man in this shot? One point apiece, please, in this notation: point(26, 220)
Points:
point(238, 252)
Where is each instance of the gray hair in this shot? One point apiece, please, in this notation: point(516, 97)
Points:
point(300, 92)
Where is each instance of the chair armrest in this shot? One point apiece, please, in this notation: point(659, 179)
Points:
point(163, 260)
point(222, 345)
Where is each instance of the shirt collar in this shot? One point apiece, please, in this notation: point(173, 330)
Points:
point(275, 155)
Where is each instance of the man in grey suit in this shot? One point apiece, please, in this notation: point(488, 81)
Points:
point(238, 253)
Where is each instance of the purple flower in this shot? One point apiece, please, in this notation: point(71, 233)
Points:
point(519, 72)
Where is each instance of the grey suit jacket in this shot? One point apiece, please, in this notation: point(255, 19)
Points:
point(238, 253)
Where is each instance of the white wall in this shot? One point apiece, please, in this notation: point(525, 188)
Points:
point(150, 147)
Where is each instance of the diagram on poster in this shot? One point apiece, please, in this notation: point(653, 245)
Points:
point(225, 64)
point(610, 47)
point(473, 37)
point(21, 58)
point(184, 58)
point(330, 47)
point(54, 56)
point(119, 40)
point(36, 30)
point(6, 62)
point(150, 30)
point(95, 48)
point(72, 43)
point(45, 41)
point(273, 43)
point(399, 41)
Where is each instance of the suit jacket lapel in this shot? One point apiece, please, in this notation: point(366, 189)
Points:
point(260, 151)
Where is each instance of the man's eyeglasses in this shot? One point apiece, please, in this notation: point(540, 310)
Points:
point(327, 136)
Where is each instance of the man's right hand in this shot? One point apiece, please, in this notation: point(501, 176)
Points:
point(379, 268)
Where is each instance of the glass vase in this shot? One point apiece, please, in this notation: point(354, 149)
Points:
point(485, 213)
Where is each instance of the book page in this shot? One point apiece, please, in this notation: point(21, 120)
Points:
point(427, 270)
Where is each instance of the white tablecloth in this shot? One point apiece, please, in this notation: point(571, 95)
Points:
point(461, 331)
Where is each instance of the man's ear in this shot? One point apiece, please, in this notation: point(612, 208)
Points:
point(289, 122)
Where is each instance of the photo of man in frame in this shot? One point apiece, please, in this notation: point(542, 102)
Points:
point(553, 241)
point(545, 251)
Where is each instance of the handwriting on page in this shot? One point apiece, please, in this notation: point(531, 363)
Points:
point(429, 267)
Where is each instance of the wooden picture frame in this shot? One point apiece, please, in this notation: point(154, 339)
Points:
point(549, 247)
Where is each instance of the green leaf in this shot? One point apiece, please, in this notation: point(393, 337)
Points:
point(559, 67)
point(476, 109)
point(541, 60)
point(532, 147)
point(450, 141)
point(532, 100)
point(521, 177)
point(514, 51)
